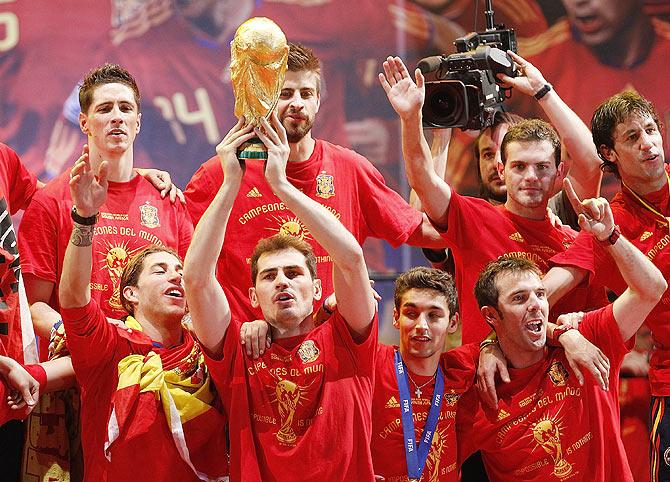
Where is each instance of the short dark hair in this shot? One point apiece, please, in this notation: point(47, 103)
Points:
point(531, 130)
point(612, 112)
point(131, 273)
point(107, 74)
point(423, 278)
point(486, 289)
point(302, 58)
point(499, 118)
point(282, 242)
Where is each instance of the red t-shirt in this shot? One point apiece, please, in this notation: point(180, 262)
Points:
point(302, 410)
point(148, 452)
point(547, 427)
point(133, 217)
point(341, 180)
point(17, 187)
point(641, 228)
point(388, 455)
point(479, 233)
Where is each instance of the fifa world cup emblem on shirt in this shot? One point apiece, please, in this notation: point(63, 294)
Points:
point(149, 215)
point(115, 261)
point(288, 396)
point(325, 185)
point(547, 435)
point(438, 446)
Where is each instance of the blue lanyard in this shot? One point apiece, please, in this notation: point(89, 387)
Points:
point(416, 456)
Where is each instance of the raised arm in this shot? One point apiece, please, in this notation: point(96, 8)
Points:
point(645, 281)
point(407, 97)
point(585, 172)
point(88, 194)
point(209, 308)
point(350, 277)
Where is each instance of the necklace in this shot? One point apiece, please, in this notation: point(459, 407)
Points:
point(417, 388)
point(665, 219)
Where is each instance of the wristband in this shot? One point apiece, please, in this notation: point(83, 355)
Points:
point(84, 221)
point(612, 238)
point(487, 342)
point(543, 91)
point(559, 330)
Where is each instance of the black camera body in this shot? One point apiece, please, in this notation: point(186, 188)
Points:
point(465, 92)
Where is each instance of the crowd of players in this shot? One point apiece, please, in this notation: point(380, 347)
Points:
point(296, 396)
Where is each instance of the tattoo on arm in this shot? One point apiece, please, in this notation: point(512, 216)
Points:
point(81, 235)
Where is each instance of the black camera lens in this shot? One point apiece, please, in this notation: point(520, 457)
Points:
point(446, 104)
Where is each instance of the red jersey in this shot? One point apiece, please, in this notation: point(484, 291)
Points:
point(583, 82)
point(341, 180)
point(479, 233)
point(388, 456)
point(302, 410)
point(133, 216)
point(649, 233)
point(547, 427)
point(145, 450)
point(17, 186)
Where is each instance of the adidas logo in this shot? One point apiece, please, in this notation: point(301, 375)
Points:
point(254, 193)
point(502, 414)
point(392, 403)
point(516, 237)
point(645, 235)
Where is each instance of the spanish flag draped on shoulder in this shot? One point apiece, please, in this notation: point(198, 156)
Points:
point(172, 385)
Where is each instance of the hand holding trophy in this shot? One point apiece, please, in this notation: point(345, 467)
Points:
point(259, 53)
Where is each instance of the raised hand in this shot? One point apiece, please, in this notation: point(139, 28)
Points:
point(273, 135)
point(405, 95)
point(233, 168)
point(530, 79)
point(88, 191)
point(595, 214)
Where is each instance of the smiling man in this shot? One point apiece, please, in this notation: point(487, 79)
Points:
point(548, 426)
point(626, 130)
point(147, 402)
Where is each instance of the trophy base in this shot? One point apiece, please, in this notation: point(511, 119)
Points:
point(252, 149)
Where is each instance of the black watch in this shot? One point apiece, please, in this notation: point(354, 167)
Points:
point(88, 221)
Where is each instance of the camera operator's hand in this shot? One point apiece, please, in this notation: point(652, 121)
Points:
point(405, 95)
point(530, 79)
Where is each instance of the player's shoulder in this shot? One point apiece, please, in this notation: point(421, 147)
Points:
point(558, 34)
point(342, 153)
point(56, 191)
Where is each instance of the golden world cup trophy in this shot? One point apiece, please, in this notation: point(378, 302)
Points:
point(259, 54)
point(547, 435)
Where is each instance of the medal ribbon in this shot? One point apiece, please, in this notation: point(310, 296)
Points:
point(416, 456)
point(649, 207)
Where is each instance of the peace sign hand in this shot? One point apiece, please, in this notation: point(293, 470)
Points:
point(595, 214)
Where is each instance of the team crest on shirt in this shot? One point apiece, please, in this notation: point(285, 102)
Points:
point(558, 374)
point(451, 398)
point(325, 185)
point(308, 351)
point(149, 215)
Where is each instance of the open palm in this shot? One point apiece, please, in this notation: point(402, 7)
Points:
point(88, 191)
point(405, 95)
